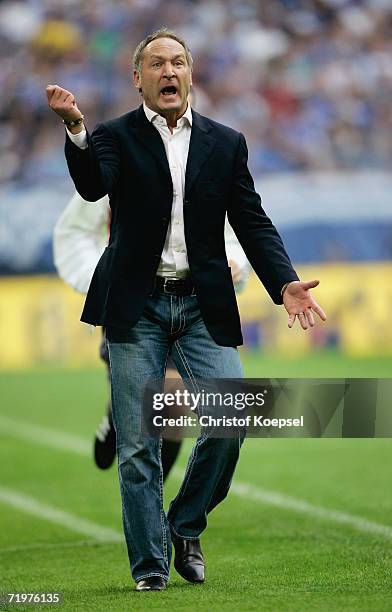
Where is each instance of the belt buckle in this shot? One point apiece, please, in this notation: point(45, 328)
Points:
point(167, 291)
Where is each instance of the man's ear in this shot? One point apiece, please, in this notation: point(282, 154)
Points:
point(137, 80)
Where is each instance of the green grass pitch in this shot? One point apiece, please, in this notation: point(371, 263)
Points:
point(260, 555)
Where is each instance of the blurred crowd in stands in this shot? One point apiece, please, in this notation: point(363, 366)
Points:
point(309, 82)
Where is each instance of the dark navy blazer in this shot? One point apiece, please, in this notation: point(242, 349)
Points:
point(126, 159)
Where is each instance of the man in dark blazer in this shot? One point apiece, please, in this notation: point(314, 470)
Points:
point(163, 286)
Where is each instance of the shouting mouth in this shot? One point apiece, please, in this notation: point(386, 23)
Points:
point(168, 91)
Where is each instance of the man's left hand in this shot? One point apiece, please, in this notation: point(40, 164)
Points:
point(299, 302)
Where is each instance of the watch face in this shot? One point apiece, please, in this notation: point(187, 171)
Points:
point(74, 122)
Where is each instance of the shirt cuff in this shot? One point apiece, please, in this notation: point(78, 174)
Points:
point(80, 140)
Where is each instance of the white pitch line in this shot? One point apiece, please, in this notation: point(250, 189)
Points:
point(55, 546)
point(45, 436)
point(286, 502)
point(30, 505)
point(60, 441)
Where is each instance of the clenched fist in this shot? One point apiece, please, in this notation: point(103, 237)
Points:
point(63, 102)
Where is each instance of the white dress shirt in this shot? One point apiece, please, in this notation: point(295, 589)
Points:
point(174, 259)
point(81, 235)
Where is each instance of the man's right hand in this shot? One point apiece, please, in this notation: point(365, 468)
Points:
point(63, 102)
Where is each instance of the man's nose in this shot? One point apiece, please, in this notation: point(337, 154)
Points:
point(168, 71)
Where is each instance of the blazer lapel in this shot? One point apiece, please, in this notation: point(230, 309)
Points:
point(200, 148)
point(201, 145)
point(149, 137)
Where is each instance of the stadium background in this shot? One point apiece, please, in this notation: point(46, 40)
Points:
point(309, 83)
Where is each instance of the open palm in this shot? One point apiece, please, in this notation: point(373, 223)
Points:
point(300, 303)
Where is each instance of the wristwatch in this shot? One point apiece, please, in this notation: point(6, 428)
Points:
point(74, 122)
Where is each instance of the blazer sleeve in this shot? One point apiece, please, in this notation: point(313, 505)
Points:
point(94, 170)
point(257, 235)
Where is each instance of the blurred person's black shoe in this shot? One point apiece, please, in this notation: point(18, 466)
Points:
point(152, 583)
point(189, 560)
point(105, 443)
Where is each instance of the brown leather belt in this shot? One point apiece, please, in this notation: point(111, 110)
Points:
point(174, 286)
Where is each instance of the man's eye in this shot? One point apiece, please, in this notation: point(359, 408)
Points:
point(179, 63)
point(156, 64)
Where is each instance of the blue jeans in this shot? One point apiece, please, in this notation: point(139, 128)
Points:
point(170, 325)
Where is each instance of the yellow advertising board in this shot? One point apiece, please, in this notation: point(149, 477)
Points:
point(39, 324)
point(356, 298)
point(39, 317)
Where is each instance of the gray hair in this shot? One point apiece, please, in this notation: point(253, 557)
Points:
point(161, 33)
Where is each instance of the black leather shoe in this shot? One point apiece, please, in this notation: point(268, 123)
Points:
point(152, 583)
point(189, 560)
point(105, 443)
